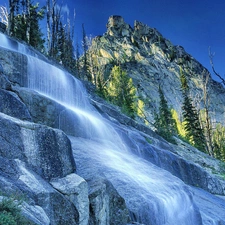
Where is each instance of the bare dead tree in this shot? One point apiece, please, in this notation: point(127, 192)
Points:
point(207, 120)
point(4, 15)
point(211, 55)
point(28, 20)
point(48, 14)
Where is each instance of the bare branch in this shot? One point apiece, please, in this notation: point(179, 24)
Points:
point(211, 55)
point(4, 15)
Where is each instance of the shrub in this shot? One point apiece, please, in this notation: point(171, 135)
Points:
point(10, 212)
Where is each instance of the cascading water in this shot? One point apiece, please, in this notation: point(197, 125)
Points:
point(158, 198)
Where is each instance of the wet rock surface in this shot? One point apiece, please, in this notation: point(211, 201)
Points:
point(39, 161)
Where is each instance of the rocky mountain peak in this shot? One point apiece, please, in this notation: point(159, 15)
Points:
point(117, 27)
point(141, 29)
point(150, 59)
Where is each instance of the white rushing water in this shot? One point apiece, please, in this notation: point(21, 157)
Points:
point(161, 198)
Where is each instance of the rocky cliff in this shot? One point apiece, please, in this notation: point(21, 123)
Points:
point(150, 60)
point(61, 159)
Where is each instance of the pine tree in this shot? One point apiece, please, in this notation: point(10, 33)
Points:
point(35, 35)
point(77, 62)
point(193, 130)
point(219, 142)
point(121, 91)
point(13, 5)
point(164, 122)
point(100, 88)
point(85, 55)
point(23, 17)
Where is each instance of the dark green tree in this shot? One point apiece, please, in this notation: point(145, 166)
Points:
point(77, 61)
point(219, 142)
point(193, 130)
point(13, 8)
point(23, 17)
point(85, 71)
point(65, 50)
point(164, 122)
point(61, 56)
point(35, 35)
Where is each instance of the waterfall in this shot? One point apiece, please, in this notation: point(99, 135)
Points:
point(158, 198)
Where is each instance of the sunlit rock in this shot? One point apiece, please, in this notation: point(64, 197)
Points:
point(117, 27)
point(150, 59)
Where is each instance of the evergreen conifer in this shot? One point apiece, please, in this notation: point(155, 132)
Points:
point(193, 131)
point(121, 91)
point(164, 122)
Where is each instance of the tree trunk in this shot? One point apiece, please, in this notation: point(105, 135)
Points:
point(208, 124)
point(48, 26)
point(11, 17)
point(28, 18)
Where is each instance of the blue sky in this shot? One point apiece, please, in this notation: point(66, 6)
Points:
point(194, 24)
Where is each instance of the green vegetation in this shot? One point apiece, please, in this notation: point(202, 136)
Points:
point(179, 125)
point(111, 81)
point(193, 131)
point(219, 142)
point(24, 23)
point(120, 91)
point(140, 110)
point(164, 122)
point(148, 140)
point(10, 212)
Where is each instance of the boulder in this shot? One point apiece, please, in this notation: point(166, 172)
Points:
point(35, 213)
point(40, 202)
point(75, 188)
point(107, 207)
point(42, 109)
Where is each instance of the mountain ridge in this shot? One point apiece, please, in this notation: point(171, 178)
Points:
point(150, 59)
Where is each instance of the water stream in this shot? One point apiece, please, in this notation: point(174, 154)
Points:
point(158, 198)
